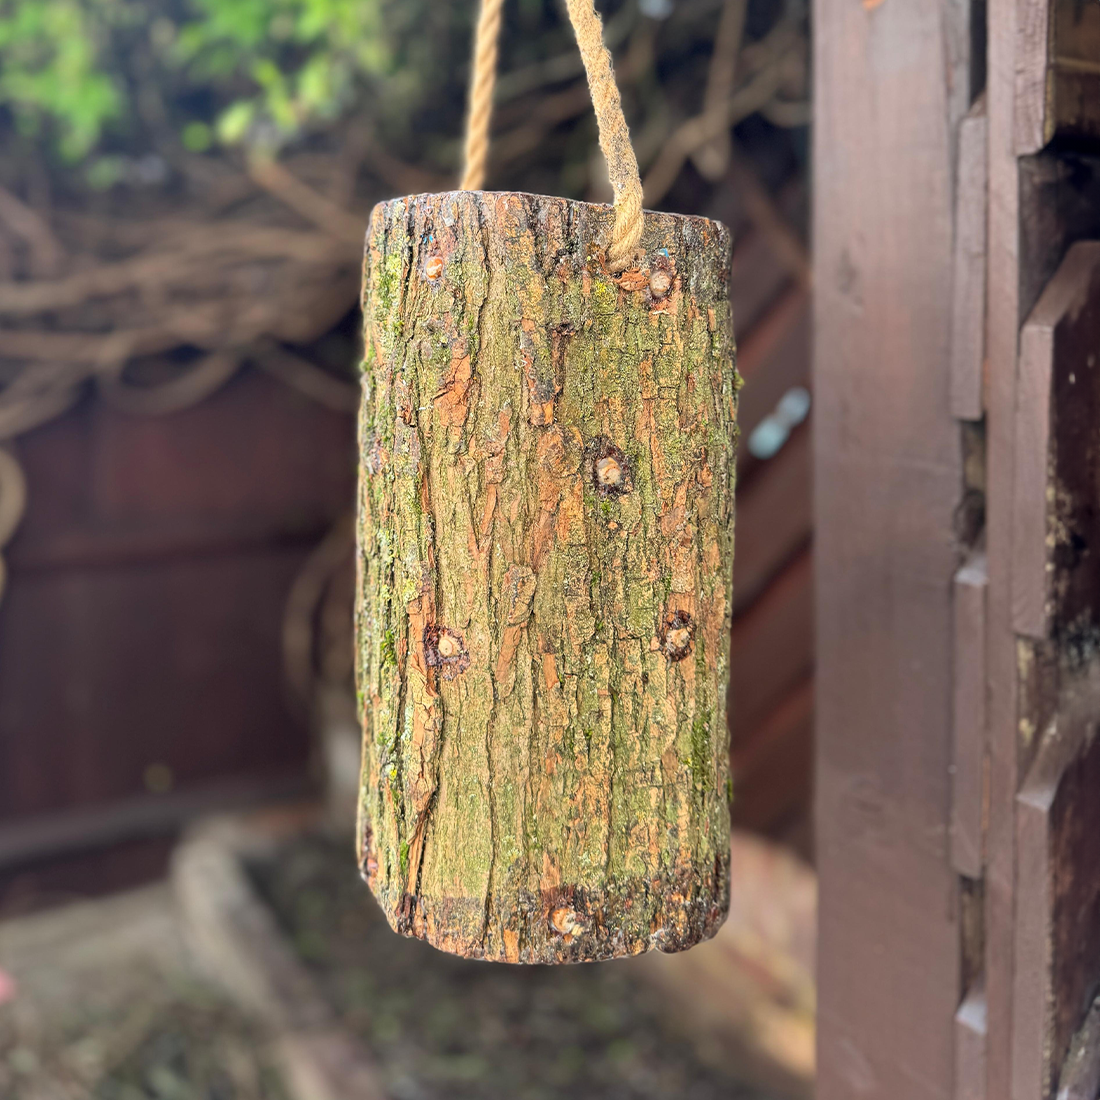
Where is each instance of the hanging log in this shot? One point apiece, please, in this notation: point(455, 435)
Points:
point(545, 566)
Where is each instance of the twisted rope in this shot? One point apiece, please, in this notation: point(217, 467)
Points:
point(481, 95)
point(622, 164)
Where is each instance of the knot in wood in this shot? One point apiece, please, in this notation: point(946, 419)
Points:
point(677, 634)
point(434, 267)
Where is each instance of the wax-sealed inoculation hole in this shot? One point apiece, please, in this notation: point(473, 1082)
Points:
point(677, 634)
point(662, 278)
point(566, 921)
point(609, 469)
point(445, 649)
point(660, 282)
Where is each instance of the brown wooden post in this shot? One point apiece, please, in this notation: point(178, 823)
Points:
point(1007, 926)
point(891, 88)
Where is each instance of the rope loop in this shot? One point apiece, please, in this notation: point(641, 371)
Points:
point(622, 164)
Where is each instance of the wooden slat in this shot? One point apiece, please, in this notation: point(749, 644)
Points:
point(1058, 73)
point(774, 520)
point(1080, 1076)
point(1057, 953)
point(887, 479)
point(771, 649)
point(773, 765)
point(968, 301)
point(257, 463)
point(1004, 316)
point(1032, 38)
point(1073, 85)
point(968, 798)
point(758, 278)
point(1053, 333)
point(970, 1039)
point(86, 829)
point(105, 672)
point(775, 357)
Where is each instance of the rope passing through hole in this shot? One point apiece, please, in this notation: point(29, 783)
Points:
point(622, 164)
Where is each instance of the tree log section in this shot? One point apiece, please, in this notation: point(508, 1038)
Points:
point(545, 572)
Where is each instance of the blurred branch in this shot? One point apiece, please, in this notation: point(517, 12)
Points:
point(564, 66)
point(46, 254)
point(764, 65)
point(552, 110)
point(300, 197)
point(696, 132)
point(787, 113)
point(711, 159)
point(298, 372)
point(766, 216)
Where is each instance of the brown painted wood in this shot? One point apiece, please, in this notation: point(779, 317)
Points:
point(143, 623)
point(1058, 73)
point(969, 719)
point(1057, 955)
point(774, 518)
point(968, 299)
point(1059, 203)
point(772, 765)
point(1080, 1076)
point(1032, 18)
point(758, 279)
point(177, 665)
point(776, 356)
point(257, 463)
point(1056, 601)
point(1004, 317)
point(771, 648)
point(887, 480)
point(1055, 533)
point(970, 1042)
point(1073, 84)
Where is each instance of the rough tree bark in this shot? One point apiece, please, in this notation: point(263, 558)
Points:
point(545, 569)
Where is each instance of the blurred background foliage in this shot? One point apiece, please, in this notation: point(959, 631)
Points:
point(109, 91)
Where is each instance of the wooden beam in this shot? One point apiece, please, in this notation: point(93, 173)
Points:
point(888, 477)
point(1003, 297)
point(968, 305)
point(1057, 73)
point(1057, 953)
point(970, 1038)
point(968, 768)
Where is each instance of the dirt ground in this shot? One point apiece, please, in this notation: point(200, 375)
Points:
point(439, 1026)
point(101, 1001)
point(104, 1000)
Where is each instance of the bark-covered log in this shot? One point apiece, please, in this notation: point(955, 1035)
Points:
point(545, 556)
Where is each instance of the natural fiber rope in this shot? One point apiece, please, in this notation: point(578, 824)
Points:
point(622, 164)
point(481, 95)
